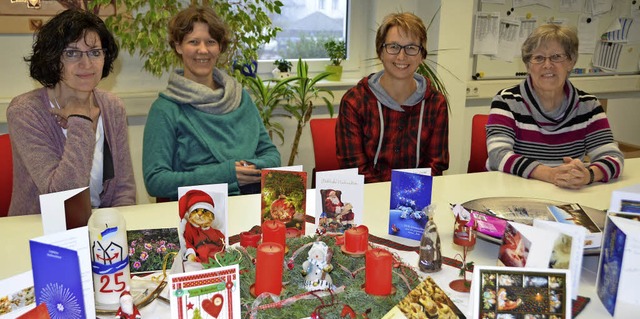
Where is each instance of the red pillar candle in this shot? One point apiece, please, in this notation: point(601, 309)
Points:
point(249, 239)
point(378, 264)
point(269, 259)
point(356, 240)
point(274, 231)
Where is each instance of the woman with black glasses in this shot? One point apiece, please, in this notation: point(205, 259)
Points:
point(394, 118)
point(69, 134)
point(545, 128)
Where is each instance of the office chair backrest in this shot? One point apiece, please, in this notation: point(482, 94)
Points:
point(478, 155)
point(323, 134)
point(6, 174)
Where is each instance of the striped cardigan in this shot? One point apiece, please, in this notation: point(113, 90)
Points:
point(521, 135)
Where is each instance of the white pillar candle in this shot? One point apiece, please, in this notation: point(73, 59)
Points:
point(109, 255)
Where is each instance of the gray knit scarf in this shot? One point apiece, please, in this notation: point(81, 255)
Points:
point(219, 101)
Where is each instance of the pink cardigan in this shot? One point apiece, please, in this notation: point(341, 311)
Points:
point(44, 161)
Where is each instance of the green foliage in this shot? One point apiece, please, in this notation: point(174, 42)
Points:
point(268, 98)
point(308, 47)
point(429, 72)
point(142, 28)
point(300, 107)
point(353, 294)
point(283, 65)
point(337, 51)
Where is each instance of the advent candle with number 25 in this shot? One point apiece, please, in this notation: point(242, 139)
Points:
point(269, 264)
point(109, 255)
point(378, 264)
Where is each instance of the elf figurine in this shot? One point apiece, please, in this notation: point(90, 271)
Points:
point(202, 241)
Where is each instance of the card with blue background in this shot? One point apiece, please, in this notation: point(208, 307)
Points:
point(410, 197)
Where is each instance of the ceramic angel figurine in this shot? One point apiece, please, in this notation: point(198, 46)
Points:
point(317, 267)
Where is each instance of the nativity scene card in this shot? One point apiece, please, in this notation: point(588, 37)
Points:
point(339, 200)
point(506, 292)
point(284, 195)
point(410, 197)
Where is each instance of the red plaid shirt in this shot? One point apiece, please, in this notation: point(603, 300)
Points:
point(358, 133)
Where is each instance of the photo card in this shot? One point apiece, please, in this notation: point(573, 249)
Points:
point(508, 292)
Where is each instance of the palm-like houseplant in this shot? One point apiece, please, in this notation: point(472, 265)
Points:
point(268, 96)
point(301, 106)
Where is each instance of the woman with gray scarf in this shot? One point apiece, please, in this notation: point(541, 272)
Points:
point(204, 128)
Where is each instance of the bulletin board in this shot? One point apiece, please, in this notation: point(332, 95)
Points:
point(618, 56)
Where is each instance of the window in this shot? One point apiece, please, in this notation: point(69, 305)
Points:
point(305, 28)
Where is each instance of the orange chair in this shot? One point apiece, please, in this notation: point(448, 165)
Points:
point(323, 134)
point(478, 156)
point(6, 174)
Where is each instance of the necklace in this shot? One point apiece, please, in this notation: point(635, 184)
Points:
point(55, 99)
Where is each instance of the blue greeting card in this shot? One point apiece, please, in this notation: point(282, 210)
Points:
point(62, 274)
point(410, 197)
point(617, 280)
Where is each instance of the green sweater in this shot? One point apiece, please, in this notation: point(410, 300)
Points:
point(184, 146)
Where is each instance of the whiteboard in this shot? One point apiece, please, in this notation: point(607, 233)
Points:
point(617, 55)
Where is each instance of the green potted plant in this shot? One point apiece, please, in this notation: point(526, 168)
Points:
point(337, 51)
point(269, 95)
point(300, 106)
point(282, 70)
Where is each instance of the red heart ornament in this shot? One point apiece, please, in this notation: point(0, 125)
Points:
point(213, 306)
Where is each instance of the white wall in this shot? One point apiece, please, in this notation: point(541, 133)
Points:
point(450, 35)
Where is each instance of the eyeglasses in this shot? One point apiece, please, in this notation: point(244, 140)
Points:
point(409, 49)
point(555, 58)
point(71, 55)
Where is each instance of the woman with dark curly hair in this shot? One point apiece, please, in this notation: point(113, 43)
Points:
point(69, 134)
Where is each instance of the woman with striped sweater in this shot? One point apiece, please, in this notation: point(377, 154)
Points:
point(545, 128)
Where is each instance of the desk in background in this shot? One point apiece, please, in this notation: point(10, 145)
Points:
point(15, 232)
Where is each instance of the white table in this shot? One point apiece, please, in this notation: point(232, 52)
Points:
point(244, 212)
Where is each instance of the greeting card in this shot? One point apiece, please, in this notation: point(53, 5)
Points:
point(573, 214)
point(16, 295)
point(339, 200)
point(410, 197)
point(65, 210)
point(617, 281)
point(62, 277)
point(149, 247)
point(506, 292)
point(203, 214)
point(284, 195)
point(544, 245)
point(626, 199)
point(200, 294)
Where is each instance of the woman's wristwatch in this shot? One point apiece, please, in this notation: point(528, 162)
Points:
point(592, 175)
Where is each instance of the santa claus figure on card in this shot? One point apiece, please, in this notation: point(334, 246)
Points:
point(201, 239)
point(335, 209)
point(127, 309)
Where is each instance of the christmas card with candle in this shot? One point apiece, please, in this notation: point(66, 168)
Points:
point(410, 197)
point(211, 293)
point(284, 194)
point(618, 281)
point(544, 245)
point(339, 200)
point(507, 292)
point(202, 212)
point(62, 279)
